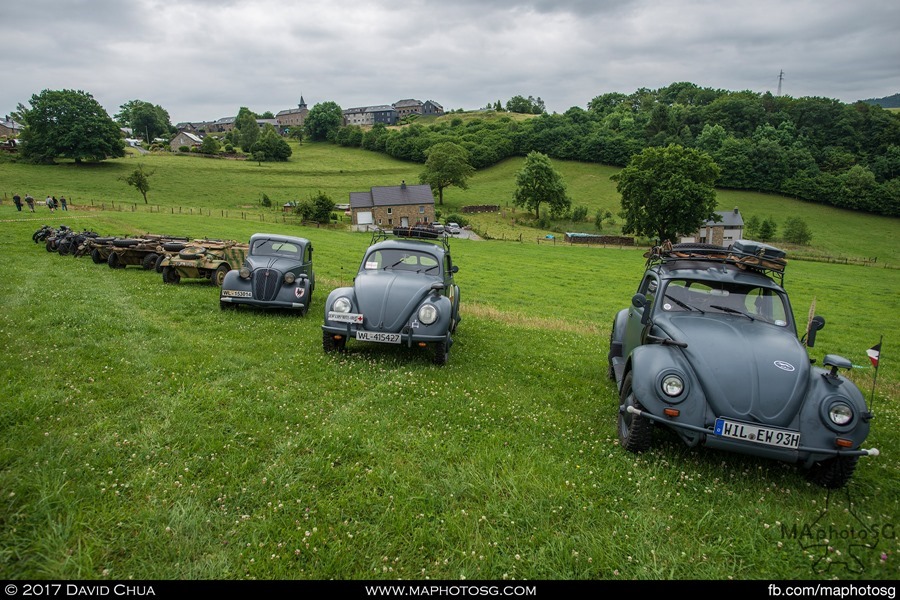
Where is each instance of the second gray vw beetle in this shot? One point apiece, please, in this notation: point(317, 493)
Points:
point(709, 349)
point(404, 293)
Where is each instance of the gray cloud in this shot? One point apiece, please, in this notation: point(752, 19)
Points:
point(203, 59)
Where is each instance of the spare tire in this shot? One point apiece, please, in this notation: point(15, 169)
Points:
point(174, 246)
point(125, 243)
point(698, 246)
point(192, 252)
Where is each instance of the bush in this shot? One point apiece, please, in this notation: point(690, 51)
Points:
point(579, 213)
point(458, 219)
point(184, 148)
point(229, 148)
point(265, 200)
point(796, 231)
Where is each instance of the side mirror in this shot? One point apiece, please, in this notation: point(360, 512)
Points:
point(640, 301)
point(815, 325)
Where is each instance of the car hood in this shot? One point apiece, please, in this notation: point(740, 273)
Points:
point(272, 262)
point(387, 299)
point(748, 370)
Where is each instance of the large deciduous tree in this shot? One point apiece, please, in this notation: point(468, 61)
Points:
point(538, 183)
point(247, 129)
point(667, 191)
point(323, 121)
point(69, 124)
point(447, 164)
point(271, 147)
point(144, 119)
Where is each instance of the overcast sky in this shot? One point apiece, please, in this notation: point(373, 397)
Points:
point(204, 59)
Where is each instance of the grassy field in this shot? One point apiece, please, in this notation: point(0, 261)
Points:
point(148, 435)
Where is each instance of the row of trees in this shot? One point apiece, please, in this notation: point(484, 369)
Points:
point(816, 149)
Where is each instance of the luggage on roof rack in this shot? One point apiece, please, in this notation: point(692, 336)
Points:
point(747, 254)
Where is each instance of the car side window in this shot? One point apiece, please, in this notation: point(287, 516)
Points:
point(649, 287)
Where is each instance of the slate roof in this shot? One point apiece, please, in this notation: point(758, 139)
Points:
point(730, 218)
point(392, 195)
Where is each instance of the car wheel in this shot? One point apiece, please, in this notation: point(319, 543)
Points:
point(159, 260)
point(610, 371)
point(149, 261)
point(329, 344)
point(635, 431)
point(441, 353)
point(834, 472)
point(113, 260)
point(218, 277)
point(170, 275)
point(95, 256)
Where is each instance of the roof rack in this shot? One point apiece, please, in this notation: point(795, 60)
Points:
point(745, 254)
point(417, 232)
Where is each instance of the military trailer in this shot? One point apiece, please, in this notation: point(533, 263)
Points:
point(203, 259)
point(143, 251)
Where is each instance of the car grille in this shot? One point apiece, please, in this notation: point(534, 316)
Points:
point(266, 283)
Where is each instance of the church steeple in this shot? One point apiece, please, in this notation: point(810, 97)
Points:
point(302, 104)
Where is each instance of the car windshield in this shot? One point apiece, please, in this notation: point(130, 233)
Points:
point(402, 260)
point(276, 248)
point(740, 300)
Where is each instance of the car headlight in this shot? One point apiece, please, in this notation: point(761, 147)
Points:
point(289, 278)
point(244, 272)
point(840, 413)
point(428, 314)
point(341, 305)
point(672, 385)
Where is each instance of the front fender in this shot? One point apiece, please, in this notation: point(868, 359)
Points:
point(649, 364)
point(816, 429)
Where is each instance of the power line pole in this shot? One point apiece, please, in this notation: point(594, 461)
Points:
point(780, 79)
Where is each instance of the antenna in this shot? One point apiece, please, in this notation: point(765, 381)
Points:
point(780, 79)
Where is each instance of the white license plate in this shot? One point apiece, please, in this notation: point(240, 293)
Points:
point(783, 438)
point(237, 293)
point(374, 336)
point(345, 317)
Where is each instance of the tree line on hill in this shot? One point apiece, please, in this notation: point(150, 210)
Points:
point(815, 149)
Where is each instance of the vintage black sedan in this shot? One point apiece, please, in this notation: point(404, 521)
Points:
point(277, 273)
point(709, 349)
point(403, 294)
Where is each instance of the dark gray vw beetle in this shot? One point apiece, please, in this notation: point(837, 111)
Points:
point(709, 348)
point(404, 293)
point(277, 273)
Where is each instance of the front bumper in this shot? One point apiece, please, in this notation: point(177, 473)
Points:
point(408, 337)
point(264, 303)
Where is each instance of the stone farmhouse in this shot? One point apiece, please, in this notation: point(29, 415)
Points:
point(9, 128)
point(292, 117)
point(185, 138)
point(392, 206)
point(724, 232)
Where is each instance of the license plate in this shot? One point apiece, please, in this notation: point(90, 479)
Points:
point(374, 336)
point(783, 438)
point(237, 293)
point(345, 317)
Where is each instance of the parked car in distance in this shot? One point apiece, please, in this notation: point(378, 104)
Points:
point(276, 273)
point(709, 349)
point(404, 293)
point(437, 227)
point(453, 228)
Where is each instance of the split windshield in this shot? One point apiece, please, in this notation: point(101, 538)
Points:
point(740, 300)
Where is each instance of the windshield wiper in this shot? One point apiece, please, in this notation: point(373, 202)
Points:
point(684, 305)
point(733, 311)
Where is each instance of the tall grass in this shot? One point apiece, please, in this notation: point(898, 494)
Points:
point(147, 434)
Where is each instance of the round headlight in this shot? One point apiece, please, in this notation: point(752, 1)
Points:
point(289, 278)
point(428, 314)
point(840, 413)
point(341, 305)
point(672, 385)
point(244, 272)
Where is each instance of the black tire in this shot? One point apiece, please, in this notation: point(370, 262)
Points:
point(698, 246)
point(441, 353)
point(329, 344)
point(218, 276)
point(833, 473)
point(174, 246)
point(113, 261)
point(170, 275)
point(63, 248)
point(635, 431)
point(192, 253)
point(149, 261)
point(159, 260)
point(125, 243)
point(95, 256)
point(50, 246)
point(103, 240)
